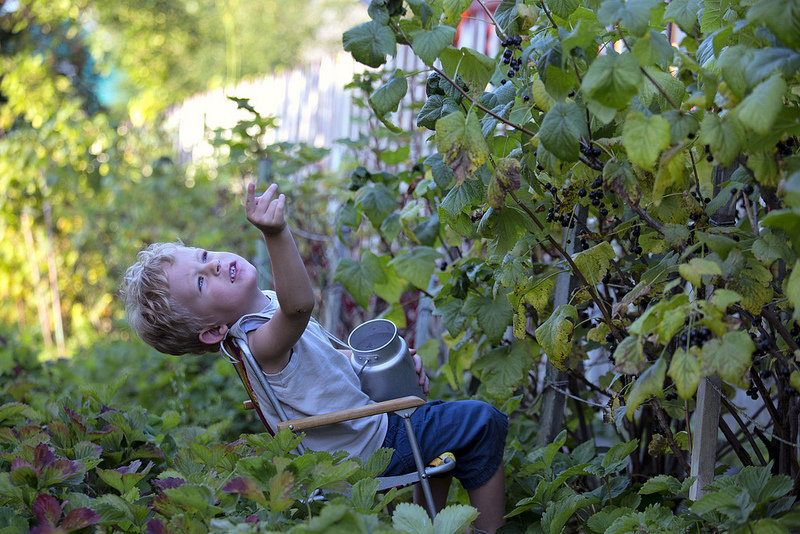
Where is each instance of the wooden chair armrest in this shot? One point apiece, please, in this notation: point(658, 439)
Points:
point(352, 413)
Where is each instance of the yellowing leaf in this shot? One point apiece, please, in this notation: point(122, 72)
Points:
point(461, 144)
point(594, 262)
point(555, 335)
point(685, 370)
point(670, 172)
point(629, 356)
point(730, 357)
point(697, 268)
point(650, 384)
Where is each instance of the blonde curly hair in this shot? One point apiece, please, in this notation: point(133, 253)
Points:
point(154, 317)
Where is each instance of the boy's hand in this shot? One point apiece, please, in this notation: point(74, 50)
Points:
point(265, 212)
point(423, 378)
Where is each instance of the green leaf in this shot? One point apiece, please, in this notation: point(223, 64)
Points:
point(780, 16)
point(387, 97)
point(789, 221)
point(560, 511)
point(494, 315)
point(683, 12)
point(612, 80)
point(730, 357)
point(661, 484)
point(475, 69)
point(428, 44)
point(793, 290)
point(416, 266)
point(649, 384)
point(653, 48)
point(436, 107)
point(359, 278)
point(369, 43)
point(724, 135)
point(562, 129)
point(460, 142)
point(502, 369)
point(412, 518)
point(633, 15)
point(685, 371)
point(454, 519)
point(697, 268)
point(376, 201)
point(760, 108)
point(619, 453)
point(453, 9)
point(644, 138)
point(555, 335)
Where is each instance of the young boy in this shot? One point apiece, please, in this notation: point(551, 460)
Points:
point(186, 300)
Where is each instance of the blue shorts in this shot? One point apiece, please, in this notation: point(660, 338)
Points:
point(475, 432)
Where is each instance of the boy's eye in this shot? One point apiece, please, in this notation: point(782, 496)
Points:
point(204, 258)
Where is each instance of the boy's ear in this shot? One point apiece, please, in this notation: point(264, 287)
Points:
point(211, 335)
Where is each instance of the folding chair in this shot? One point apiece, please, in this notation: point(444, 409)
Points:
point(242, 359)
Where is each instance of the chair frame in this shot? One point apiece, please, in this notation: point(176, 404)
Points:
point(404, 407)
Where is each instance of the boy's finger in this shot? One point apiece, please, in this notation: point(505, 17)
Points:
point(250, 200)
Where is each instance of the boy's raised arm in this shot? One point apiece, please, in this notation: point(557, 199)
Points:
point(271, 343)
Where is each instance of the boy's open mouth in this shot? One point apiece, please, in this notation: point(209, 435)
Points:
point(233, 272)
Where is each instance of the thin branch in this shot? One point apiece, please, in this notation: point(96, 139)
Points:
point(734, 443)
point(735, 414)
point(662, 420)
point(658, 87)
point(563, 253)
point(491, 17)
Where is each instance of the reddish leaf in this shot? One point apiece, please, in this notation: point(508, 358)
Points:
point(252, 519)
point(79, 518)
point(76, 419)
point(168, 483)
point(155, 526)
point(60, 433)
point(246, 487)
point(42, 456)
point(46, 509)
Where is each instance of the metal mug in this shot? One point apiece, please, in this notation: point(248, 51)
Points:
point(382, 361)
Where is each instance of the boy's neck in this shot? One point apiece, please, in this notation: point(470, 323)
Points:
point(259, 302)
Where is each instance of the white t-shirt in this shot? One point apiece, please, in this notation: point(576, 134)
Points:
point(318, 379)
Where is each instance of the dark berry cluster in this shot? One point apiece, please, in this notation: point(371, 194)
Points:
point(786, 148)
point(566, 219)
point(590, 151)
point(696, 337)
point(635, 248)
point(511, 45)
point(699, 198)
point(709, 157)
point(752, 392)
point(671, 396)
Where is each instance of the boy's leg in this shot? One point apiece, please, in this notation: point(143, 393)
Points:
point(490, 500)
point(440, 487)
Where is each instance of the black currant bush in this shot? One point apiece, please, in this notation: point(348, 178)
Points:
point(674, 124)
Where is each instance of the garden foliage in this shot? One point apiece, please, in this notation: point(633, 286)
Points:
point(662, 175)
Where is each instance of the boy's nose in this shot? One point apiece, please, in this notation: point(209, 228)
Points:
point(214, 267)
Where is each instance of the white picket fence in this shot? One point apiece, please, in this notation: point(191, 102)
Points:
point(311, 102)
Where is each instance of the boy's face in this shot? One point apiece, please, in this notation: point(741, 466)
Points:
point(219, 287)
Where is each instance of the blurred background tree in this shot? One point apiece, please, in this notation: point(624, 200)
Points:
point(87, 173)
